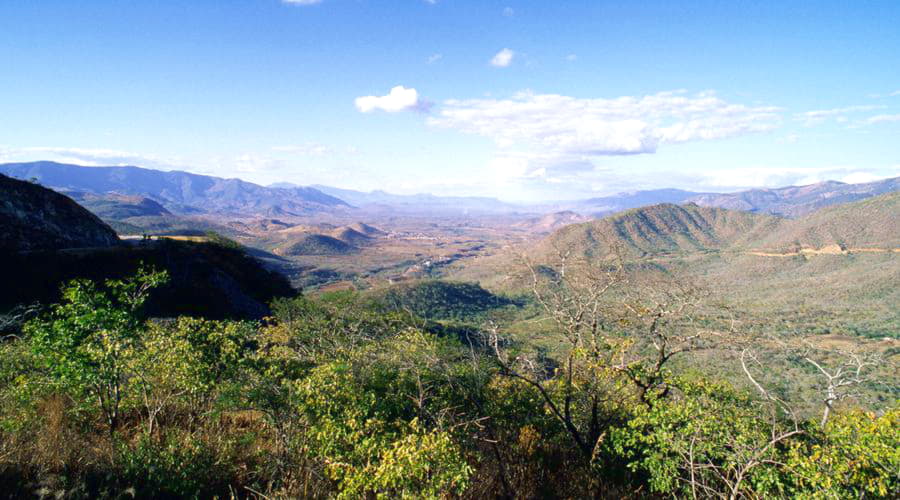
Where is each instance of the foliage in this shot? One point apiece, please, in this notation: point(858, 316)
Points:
point(90, 338)
point(856, 456)
point(343, 396)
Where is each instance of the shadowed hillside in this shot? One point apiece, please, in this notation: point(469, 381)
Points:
point(116, 207)
point(206, 279)
point(35, 218)
point(442, 300)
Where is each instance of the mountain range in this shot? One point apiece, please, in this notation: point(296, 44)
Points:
point(795, 201)
point(179, 192)
point(183, 193)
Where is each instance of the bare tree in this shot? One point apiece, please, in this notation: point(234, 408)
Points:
point(612, 325)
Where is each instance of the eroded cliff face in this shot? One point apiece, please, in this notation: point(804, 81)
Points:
point(33, 217)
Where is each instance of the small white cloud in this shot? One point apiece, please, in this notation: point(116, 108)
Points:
point(399, 99)
point(509, 12)
point(788, 139)
point(308, 149)
point(301, 2)
point(433, 58)
point(860, 178)
point(503, 58)
point(894, 93)
point(811, 118)
point(571, 57)
point(882, 119)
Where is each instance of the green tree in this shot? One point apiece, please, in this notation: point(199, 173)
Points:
point(88, 340)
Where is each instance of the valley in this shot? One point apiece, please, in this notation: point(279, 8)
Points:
point(815, 288)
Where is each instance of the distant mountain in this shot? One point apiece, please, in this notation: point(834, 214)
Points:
point(795, 201)
point(419, 203)
point(623, 201)
point(179, 192)
point(552, 221)
point(33, 217)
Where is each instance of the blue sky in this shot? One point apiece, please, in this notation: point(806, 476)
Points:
point(523, 100)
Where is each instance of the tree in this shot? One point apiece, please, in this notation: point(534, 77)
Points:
point(617, 331)
point(88, 340)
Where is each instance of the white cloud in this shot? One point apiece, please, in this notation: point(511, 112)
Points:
point(93, 157)
point(563, 125)
point(301, 2)
point(400, 98)
point(571, 57)
point(788, 139)
point(816, 117)
point(503, 58)
point(882, 119)
point(509, 12)
point(894, 93)
point(307, 149)
point(433, 58)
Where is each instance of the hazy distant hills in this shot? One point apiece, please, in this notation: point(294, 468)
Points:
point(36, 218)
point(102, 189)
point(552, 221)
point(180, 192)
point(419, 203)
point(623, 201)
point(795, 201)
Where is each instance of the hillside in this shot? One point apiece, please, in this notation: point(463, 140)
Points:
point(796, 201)
point(873, 223)
point(661, 229)
point(441, 300)
point(179, 192)
point(36, 218)
point(351, 236)
point(366, 229)
point(206, 279)
point(117, 207)
point(315, 244)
